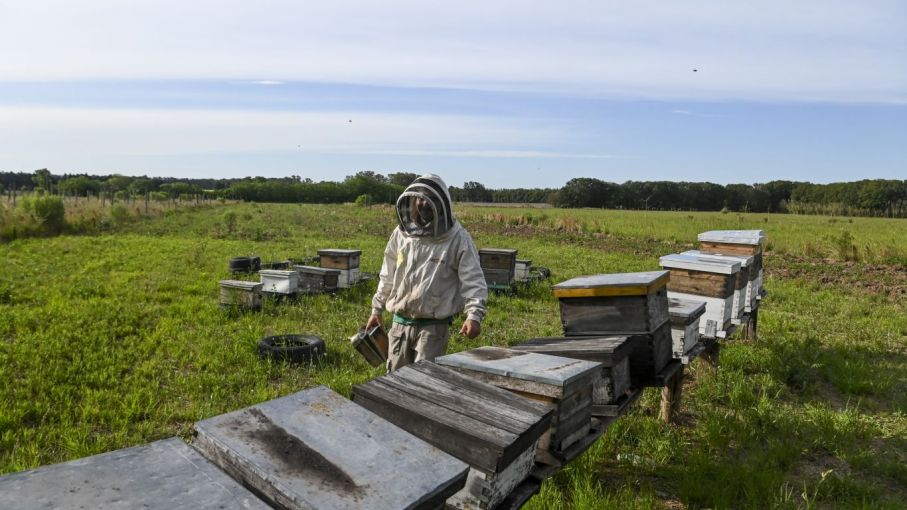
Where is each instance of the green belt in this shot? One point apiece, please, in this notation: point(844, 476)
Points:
point(421, 322)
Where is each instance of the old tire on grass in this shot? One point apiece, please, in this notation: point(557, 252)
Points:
point(292, 348)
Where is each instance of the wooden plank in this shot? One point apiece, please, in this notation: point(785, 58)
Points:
point(607, 350)
point(520, 495)
point(524, 371)
point(662, 379)
point(703, 284)
point(316, 450)
point(650, 355)
point(487, 491)
point(162, 474)
point(620, 407)
point(671, 394)
point(494, 258)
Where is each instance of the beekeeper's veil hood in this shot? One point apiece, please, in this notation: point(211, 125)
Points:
point(424, 208)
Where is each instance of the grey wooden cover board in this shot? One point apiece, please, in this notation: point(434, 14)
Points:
point(498, 251)
point(611, 280)
point(317, 450)
point(753, 237)
point(277, 273)
point(321, 271)
point(339, 253)
point(685, 310)
point(689, 262)
point(483, 425)
point(745, 260)
point(564, 374)
point(607, 350)
point(240, 284)
point(166, 475)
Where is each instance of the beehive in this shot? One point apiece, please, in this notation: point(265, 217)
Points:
point(346, 261)
point(737, 242)
point(317, 450)
point(711, 281)
point(744, 286)
point(313, 280)
point(162, 474)
point(612, 353)
point(489, 428)
point(240, 294)
point(498, 265)
point(279, 282)
point(562, 384)
point(521, 270)
point(613, 304)
point(685, 314)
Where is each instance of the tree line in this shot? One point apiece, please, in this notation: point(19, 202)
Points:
point(871, 197)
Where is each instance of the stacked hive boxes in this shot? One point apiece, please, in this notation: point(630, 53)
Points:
point(743, 285)
point(613, 353)
point(240, 294)
point(711, 281)
point(521, 271)
point(317, 450)
point(624, 304)
point(748, 243)
point(347, 261)
point(491, 429)
point(313, 280)
point(685, 314)
point(499, 266)
point(561, 384)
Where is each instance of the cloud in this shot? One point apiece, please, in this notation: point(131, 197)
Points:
point(836, 50)
point(696, 114)
point(267, 82)
point(492, 154)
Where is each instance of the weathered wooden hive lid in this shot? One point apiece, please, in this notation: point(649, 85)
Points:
point(688, 309)
point(526, 366)
point(162, 474)
point(317, 449)
point(316, 270)
point(484, 425)
point(276, 273)
point(751, 237)
point(617, 284)
point(745, 260)
point(499, 251)
point(678, 261)
point(339, 252)
point(240, 284)
point(607, 350)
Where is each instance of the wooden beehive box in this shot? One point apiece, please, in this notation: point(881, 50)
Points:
point(240, 294)
point(276, 281)
point(611, 352)
point(737, 242)
point(313, 280)
point(317, 450)
point(650, 355)
point(705, 280)
point(744, 286)
point(563, 384)
point(162, 474)
point(339, 259)
point(613, 304)
point(498, 265)
point(491, 429)
point(521, 270)
point(685, 314)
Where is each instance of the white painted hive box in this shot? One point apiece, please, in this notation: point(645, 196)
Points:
point(685, 315)
point(276, 281)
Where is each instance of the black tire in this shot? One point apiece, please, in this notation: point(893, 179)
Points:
point(292, 348)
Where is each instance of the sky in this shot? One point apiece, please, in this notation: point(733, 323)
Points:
point(505, 93)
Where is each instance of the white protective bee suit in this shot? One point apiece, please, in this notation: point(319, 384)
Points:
point(430, 273)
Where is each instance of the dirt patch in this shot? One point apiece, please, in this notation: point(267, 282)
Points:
point(298, 458)
point(880, 279)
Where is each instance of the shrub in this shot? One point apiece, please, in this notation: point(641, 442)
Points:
point(364, 200)
point(48, 210)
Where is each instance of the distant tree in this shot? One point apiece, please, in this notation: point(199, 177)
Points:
point(402, 178)
point(42, 179)
point(79, 185)
point(476, 192)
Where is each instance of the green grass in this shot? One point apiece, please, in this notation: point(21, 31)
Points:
point(114, 340)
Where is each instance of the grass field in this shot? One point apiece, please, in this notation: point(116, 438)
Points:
point(116, 339)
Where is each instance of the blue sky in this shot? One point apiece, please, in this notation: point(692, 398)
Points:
point(506, 93)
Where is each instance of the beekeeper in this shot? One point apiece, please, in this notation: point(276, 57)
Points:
point(430, 274)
